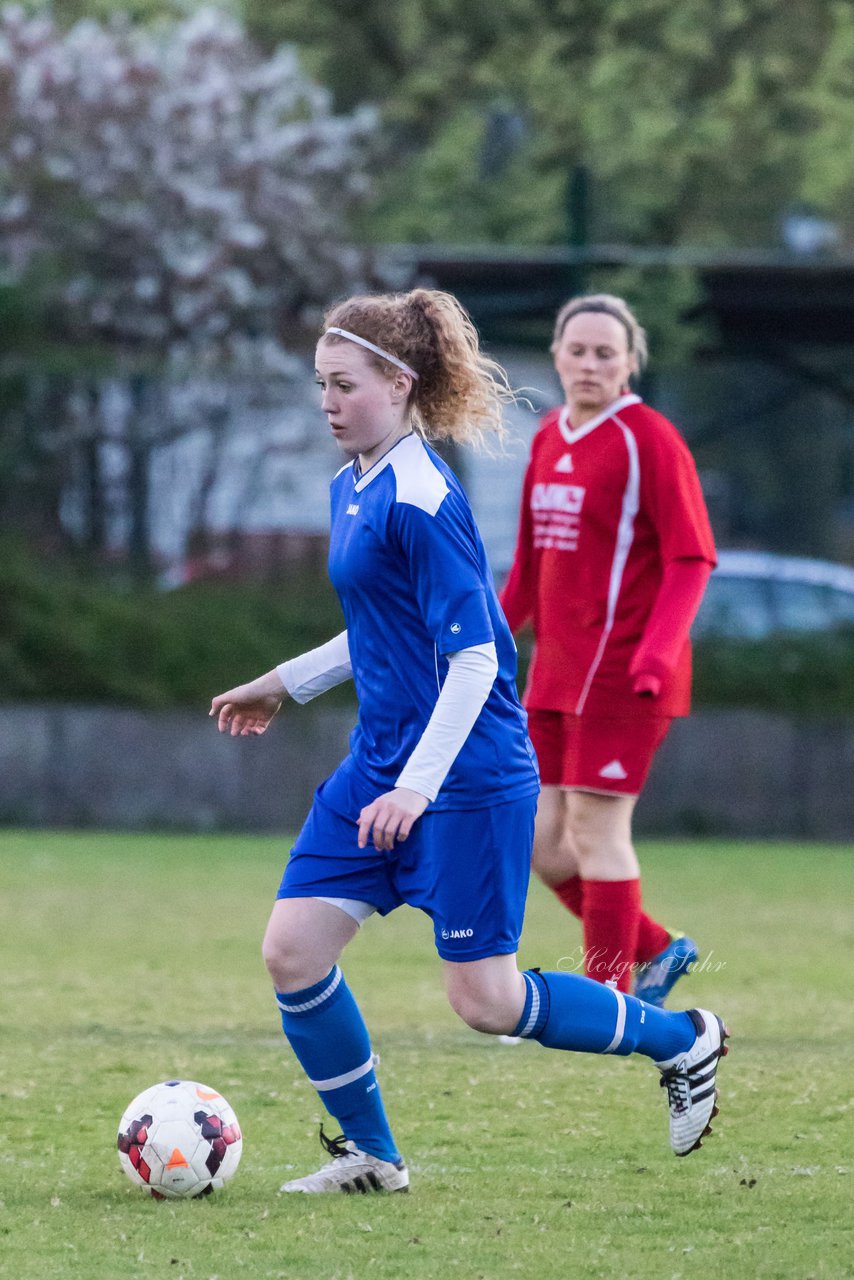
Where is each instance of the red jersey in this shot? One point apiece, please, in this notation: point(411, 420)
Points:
point(604, 508)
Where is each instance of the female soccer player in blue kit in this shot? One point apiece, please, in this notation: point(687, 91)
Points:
point(434, 805)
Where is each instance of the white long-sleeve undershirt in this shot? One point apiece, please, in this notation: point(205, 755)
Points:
point(320, 669)
point(471, 675)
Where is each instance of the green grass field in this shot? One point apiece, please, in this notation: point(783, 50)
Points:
point(130, 959)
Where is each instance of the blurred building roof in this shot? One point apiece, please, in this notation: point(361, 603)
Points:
point(801, 302)
point(752, 294)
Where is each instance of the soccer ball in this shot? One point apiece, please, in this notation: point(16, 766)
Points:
point(179, 1140)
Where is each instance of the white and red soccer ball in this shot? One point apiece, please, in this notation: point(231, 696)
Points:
point(179, 1139)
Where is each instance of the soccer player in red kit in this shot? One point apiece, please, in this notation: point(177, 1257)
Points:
point(613, 555)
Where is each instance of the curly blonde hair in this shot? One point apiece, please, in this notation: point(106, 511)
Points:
point(460, 394)
point(604, 304)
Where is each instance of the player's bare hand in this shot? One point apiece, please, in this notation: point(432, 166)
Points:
point(390, 817)
point(247, 709)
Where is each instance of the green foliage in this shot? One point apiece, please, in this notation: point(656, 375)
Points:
point(69, 637)
point(67, 12)
point(131, 959)
point(799, 674)
point(699, 122)
point(829, 163)
point(33, 339)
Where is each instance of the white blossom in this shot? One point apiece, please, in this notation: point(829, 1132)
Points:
point(192, 188)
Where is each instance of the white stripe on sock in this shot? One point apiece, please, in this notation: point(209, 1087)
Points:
point(281, 1000)
point(535, 1007)
point(337, 1082)
point(620, 1028)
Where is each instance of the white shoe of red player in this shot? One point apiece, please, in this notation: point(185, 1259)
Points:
point(351, 1171)
point(689, 1079)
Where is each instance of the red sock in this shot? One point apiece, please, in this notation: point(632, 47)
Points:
point(652, 938)
point(571, 894)
point(611, 916)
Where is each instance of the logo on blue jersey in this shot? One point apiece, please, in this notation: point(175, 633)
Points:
point(353, 509)
point(455, 628)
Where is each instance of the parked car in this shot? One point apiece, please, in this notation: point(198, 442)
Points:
point(754, 594)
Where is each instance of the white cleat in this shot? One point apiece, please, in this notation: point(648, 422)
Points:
point(689, 1079)
point(351, 1171)
point(509, 1039)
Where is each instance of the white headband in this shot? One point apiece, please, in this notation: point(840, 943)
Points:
point(378, 351)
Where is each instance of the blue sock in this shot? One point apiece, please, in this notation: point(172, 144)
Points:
point(566, 1011)
point(327, 1033)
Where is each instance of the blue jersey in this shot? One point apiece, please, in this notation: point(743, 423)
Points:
point(410, 570)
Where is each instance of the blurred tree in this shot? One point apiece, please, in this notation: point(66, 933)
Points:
point(698, 122)
point(66, 12)
point(193, 191)
point(180, 202)
point(828, 180)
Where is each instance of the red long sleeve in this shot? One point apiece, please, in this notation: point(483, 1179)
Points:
point(517, 594)
point(669, 623)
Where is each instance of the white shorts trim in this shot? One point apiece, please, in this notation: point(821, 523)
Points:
point(597, 791)
point(358, 911)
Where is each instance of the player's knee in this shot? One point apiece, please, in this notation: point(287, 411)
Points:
point(591, 838)
point(584, 828)
point(554, 860)
point(602, 858)
point(284, 960)
point(588, 848)
point(478, 1015)
point(480, 1011)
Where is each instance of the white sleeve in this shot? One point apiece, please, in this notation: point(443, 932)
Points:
point(318, 670)
point(471, 675)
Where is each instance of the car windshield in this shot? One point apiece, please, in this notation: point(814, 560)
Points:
point(842, 608)
point(800, 606)
point(738, 607)
point(754, 604)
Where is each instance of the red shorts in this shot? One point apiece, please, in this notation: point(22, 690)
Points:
point(590, 753)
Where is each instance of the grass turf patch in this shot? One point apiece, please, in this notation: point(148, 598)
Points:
point(131, 959)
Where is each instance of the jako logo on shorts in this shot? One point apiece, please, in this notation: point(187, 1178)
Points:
point(457, 933)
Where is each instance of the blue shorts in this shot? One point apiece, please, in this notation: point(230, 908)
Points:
point(468, 869)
